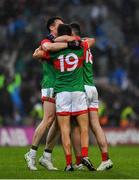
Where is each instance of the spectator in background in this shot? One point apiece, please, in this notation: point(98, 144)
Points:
point(128, 117)
point(99, 11)
point(14, 91)
point(8, 59)
point(119, 77)
point(6, 109)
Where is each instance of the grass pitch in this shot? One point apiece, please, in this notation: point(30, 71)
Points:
point(125, 159)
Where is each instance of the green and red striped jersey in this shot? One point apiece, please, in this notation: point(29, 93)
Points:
point(68, 66)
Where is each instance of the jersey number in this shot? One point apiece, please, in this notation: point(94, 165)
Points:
point(67, 60)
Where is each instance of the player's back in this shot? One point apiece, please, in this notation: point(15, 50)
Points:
point(69, 70)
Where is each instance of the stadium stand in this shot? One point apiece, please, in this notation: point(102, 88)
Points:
point(115, 24)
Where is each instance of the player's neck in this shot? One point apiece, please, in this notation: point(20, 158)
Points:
point(53, 34)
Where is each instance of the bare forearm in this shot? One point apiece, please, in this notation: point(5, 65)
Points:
point(54, 46)
point(91, 42)
point(65, 38)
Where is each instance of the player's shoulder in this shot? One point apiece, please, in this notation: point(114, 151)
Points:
point(48, 39)
point(45, 41)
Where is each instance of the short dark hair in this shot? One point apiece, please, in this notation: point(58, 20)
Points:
point(52, 20)
point(64, 29)
point(76, 28)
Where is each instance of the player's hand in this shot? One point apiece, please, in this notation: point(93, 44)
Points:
point(39, 54)
point(76, 44)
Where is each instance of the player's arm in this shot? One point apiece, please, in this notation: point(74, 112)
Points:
point(66, 38)
point(48, 46)
point(76, 44)
point(91, 42)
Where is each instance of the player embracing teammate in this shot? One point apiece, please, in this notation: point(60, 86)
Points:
point(71, 99)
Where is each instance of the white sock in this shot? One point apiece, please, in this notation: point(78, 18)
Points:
point(47, 155)
point(32, 153)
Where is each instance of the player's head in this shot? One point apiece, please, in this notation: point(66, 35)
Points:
point(53, 23)
point(76, 31)
point(64, 29)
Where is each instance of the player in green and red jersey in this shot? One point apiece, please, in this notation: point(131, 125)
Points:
point(70, 97)
point(47, 98)
point(92, 96)
point(93, 106)
point(48, 101)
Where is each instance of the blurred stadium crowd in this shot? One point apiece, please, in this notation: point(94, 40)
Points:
point(114, 23)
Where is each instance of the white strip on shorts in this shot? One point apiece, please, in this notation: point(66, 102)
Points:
point(47, 92)
point(71, 103)
point(92, 97)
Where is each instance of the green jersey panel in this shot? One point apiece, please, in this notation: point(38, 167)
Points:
point(48, 80)
point(88, 69)
point(88, 75)
point(48, 73)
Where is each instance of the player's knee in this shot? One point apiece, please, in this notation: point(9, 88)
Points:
point(48, 120)
point(65, 131)
point(47, 123)
point(96, 128)
point(84, 130)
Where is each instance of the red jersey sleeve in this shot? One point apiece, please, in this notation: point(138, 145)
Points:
point(45, 41)
point(77, 38)
point(46, 55)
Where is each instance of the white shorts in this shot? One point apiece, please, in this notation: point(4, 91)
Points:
point(71, 103)
point(92, 98)
point(48, 95)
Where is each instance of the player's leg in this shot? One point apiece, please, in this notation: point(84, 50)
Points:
point(46, 159)
point(79, 109)
point(96, 128)
point(64, 125)
point(48, 118)
point(99, 133)
point(52, 135)
point(63, 111)
point(76, 142)
point(101, 140)
point(83, 124)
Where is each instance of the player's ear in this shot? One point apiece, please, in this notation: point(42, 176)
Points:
point(52, 28)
